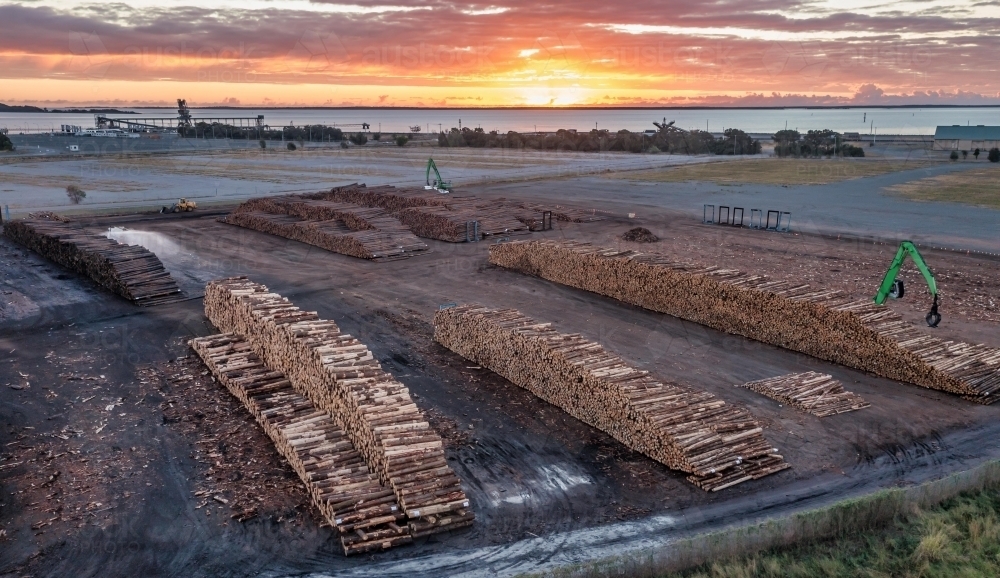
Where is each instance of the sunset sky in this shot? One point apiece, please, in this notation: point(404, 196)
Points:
point(505, 53)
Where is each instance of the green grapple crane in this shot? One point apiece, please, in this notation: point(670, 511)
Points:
point(440, 185)
point(892, 287)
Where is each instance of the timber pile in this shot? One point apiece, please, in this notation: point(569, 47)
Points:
point(430, 214)
point(566, 214)
point(365, 515)
point(130, 271)
point(341, 376)
point(367, 233)
point(450, 223)
point(811, 392)
point(823, 323)
point(718, 444)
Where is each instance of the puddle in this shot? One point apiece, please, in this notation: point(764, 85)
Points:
point(550, 483)
point(557, 478)
point(158, 243)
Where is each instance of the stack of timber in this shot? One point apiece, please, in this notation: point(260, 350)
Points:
point(816, 393)
point(386, 197)
point(367, 233)
point(566, 214)
point(718, 444)
point(365, 515)
point(822, 323)
point(430, 214)
point(341, 376)
point(130, 271)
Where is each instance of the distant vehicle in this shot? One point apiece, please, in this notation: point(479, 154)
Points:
point(181, 206)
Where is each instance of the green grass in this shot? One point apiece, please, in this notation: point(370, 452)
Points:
point(774, 171)
point(944, 527)
point(960, 538)
point(976, 186)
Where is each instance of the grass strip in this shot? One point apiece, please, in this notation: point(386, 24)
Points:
point(946, 527)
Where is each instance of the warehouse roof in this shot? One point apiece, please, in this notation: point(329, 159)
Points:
point(957, 131)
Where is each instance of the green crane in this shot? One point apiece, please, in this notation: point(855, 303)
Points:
point(439, 184)
point(892, 287)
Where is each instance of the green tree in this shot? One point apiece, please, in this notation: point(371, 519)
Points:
point(291, 146)
point(953, 156)
point(821, 141)
point(786, 142)
point(75, 194)
point(358, 138)
point(5, 143)
point(401, 140)
point(994, 155)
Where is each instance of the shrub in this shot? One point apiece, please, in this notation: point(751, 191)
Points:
point(954, 155)
point(965, 155)
point(376, 136)
point(344, 145)
point(358, 138)
point(994, 155)
point(402, 139)
point(849, 150)
point(291, 146)
point(75, 194)
point(263, 144)
point(5, 143)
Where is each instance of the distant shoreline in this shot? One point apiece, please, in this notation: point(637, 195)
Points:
point(28, 109)
point(515, 108)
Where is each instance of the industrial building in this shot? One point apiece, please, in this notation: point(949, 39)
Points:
point(966, 138)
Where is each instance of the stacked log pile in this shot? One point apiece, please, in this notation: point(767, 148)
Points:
point(822, 323)
point(386, 197)
point(365, 515)
point(364, 232)
point(811, 392)
point(130, 271)
point(341, 376)
point(718, 444)
point(430, 214)
point(565, 214)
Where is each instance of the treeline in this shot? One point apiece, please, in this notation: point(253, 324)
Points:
point(734, 141)
point(309, 133)
point(815, 143)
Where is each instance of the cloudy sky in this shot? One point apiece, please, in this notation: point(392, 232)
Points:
point(507, 53)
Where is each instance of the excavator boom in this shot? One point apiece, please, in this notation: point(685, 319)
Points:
point(905, 248)
point(890, 287)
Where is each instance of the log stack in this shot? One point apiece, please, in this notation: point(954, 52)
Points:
point(364, 232)
point(131, 271)
point(565, 214)
point(338, 374)
point(430, 214)
point(822, 323)
point(365, 515)
point(718, 444)
point(816, 393)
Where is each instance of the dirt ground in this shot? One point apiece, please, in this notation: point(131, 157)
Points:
point(119, 455)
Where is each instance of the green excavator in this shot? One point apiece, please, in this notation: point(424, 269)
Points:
point(439, 184)
point(893, 288)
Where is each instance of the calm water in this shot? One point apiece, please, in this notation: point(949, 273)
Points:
point(863, 120)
